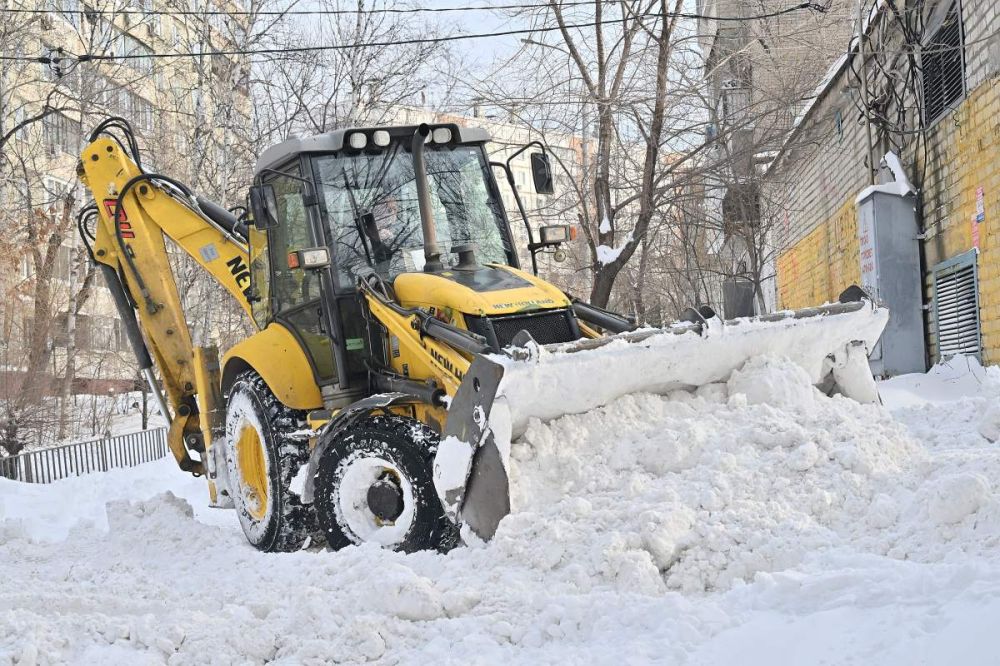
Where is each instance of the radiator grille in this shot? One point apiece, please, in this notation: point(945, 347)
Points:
point(545, 327)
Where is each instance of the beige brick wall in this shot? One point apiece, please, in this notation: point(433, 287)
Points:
point(821, 173)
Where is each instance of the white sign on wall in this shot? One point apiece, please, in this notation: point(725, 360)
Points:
point(867, 247)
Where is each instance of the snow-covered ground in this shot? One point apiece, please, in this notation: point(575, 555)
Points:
point(754, 522)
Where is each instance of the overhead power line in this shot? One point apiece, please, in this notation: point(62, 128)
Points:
point(294, 12)
point(382, 10)
point(297, 12)
point(97, 57)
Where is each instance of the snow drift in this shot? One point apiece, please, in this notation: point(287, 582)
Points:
point(754, 520)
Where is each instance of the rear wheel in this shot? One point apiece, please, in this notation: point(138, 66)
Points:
point(374, 484)
point(262, 461)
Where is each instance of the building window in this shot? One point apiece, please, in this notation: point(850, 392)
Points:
point(95, 333)
point(136, 54)
point(55, 190)
point(943, 66)
point(137, 110)
point(61, 133)
point(22, 132)
point(740, 209)
point(956, 306)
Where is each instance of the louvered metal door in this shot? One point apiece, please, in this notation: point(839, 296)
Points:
point(956, 306)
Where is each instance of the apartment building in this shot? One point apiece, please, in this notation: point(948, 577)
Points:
point(763, 61)
point(54, 105)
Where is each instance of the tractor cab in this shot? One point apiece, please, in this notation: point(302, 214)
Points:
point(416, 206)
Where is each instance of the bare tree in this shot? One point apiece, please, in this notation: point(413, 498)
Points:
point(339, 80)
point(619, 74)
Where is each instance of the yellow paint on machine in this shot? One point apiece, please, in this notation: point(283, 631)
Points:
point(281, 361)
point(427, 290)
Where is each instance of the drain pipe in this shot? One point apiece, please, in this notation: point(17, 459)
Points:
point(432, 253)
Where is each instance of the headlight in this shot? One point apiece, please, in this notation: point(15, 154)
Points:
point(310, 257)
point(380, 138)
point(315, 257)
point(441, 135)
point(357, 141)
point(555, 233)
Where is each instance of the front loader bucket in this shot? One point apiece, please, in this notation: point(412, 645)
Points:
point(501, 393)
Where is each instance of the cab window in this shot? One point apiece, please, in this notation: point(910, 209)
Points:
point(260, 269)
point(291, 287)
point(295, 292)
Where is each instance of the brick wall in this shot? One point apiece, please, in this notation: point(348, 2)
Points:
point(969, 139)
point(822, 264)
point(821, 171)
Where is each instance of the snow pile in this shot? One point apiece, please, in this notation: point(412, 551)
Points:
point(659, 361)
point(712, 488)
point(754, 521)
point(970, 391)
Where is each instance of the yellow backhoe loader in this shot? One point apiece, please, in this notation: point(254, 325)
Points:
point(398, 346)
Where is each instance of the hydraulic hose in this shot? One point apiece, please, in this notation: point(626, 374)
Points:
point(138, 345)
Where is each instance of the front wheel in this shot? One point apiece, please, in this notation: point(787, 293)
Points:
point(262, 460)
point(374, 484)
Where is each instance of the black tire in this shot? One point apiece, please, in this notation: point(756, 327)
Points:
point(409, 446)
point(286, 524)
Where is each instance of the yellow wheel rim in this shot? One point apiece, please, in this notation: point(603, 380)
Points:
point(253, 472)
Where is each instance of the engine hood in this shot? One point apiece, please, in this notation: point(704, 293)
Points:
point(487, 290)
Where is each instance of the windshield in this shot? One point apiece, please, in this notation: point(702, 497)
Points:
point(374, 218)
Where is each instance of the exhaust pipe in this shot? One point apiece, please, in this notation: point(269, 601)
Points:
point(432, 253)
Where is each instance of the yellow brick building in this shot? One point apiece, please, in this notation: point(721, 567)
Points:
point(949, 143)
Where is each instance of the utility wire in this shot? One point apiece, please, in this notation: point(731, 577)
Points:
point(89, 57)
point(390, 10)
point(60, 56)
point(291, 12)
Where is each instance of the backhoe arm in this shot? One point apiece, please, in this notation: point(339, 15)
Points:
point(133, 256)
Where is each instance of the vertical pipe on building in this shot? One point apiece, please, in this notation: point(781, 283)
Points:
point(870, 161)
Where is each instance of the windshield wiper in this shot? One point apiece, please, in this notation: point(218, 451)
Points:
point(356, 215)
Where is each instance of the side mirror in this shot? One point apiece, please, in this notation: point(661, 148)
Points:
point(541, 173)
point(264, 207)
